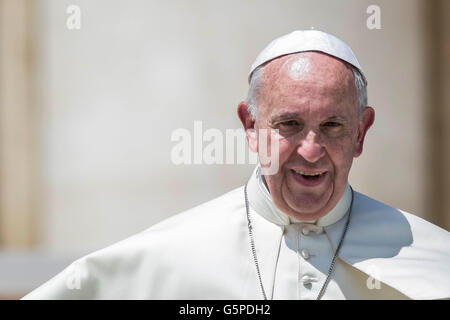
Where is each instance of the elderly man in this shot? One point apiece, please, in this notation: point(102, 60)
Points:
point(298, 232)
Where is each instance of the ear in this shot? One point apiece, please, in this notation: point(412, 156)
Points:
point(249, 126)
point(368, 117)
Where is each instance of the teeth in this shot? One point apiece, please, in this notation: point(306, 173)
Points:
point(308, 174)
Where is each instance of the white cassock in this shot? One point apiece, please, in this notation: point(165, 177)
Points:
point(205, 253)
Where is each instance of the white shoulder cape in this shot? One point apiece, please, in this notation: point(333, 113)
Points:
point(204, 253)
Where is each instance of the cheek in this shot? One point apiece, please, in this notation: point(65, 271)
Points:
point(273, 146)
point(287, 148)
point(341, 155)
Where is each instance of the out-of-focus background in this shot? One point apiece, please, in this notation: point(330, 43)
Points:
point(86, 114)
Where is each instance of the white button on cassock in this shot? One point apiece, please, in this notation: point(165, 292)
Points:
point(318, 230)
point(305, 231)
point(308, 279)
point(305, 254)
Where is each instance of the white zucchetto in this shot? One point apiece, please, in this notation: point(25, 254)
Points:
point(306, 40)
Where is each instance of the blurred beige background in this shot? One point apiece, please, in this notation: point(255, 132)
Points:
point(86, 115)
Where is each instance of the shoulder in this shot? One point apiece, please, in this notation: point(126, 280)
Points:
point(187, 234)
point(410, 253)
point(390, 221)
point(163, 255)
point(221, 209)
point(189, 224)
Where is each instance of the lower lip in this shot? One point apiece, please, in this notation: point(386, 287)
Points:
point(308, 182)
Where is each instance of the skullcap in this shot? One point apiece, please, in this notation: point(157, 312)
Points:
point(307, 40)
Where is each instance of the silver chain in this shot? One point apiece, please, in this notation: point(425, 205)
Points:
point(333, 262)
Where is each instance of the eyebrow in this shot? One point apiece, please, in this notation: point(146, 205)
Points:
point(286, 116)
point(338, 118)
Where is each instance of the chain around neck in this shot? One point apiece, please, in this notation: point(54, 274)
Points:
point(255, 258)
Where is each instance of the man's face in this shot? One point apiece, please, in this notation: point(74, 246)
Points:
point(311, 99)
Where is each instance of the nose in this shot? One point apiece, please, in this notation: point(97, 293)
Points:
point(310, 148)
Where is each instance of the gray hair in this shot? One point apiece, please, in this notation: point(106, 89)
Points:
point(255, 85)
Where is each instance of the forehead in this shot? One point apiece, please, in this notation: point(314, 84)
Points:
point(310, 81)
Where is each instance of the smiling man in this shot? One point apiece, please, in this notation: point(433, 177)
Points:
point(311, 99)
point(297, 232)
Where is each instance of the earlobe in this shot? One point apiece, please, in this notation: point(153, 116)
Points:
point(249, 126)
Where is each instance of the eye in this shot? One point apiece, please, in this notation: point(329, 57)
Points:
point(288, 127)
point(289, 123)
point(331, 124)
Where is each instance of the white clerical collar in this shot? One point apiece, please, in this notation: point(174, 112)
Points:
point(261, 200)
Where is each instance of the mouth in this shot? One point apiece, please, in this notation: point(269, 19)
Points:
point(309, 178)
